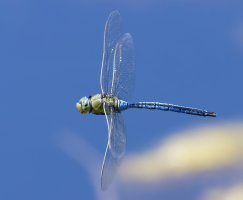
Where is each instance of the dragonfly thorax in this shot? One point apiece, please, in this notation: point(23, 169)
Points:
point(95, 104)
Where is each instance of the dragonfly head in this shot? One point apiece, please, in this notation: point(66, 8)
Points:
point(83, 106)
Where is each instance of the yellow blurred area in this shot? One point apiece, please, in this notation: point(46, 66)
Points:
point(232, 193)
point(188, 152)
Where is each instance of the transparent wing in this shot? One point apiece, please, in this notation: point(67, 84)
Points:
point(112, 33)
point(121, 86)
point(118, 66)
point(115, 149)
point(109, 168)
point(123, 78)
point(117, 78)
point(116, 135)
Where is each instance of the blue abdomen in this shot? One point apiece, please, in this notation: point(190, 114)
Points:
point(122, 105)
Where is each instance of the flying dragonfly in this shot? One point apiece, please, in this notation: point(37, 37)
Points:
point(117, 84)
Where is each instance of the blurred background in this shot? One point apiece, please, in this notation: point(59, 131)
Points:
point(188, 52)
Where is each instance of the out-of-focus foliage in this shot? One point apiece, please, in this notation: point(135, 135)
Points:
point(204, 149)
point(76, 148)
point(231, 193)
point(188, 152)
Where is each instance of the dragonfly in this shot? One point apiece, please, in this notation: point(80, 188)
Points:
point(117, 85)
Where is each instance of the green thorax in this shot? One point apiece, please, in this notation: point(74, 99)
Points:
point(98, 100)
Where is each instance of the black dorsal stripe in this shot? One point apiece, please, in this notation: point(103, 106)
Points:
point(90, 104)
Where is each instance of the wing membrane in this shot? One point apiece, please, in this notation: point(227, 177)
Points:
point(117, 135)
point(114, 151)
point(123, 78)
point(117, 79)
point(112, 33)
point(109, 168)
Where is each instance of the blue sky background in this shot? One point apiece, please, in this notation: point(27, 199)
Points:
point(187, 52)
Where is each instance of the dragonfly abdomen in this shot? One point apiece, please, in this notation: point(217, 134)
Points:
point(171, 107)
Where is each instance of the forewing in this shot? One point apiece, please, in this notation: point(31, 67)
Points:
point(112, 33)
point(123, 78)
point(117, 76)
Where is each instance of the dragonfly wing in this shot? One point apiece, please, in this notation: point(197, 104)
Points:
point(123, 78)
point(122, 85)
point(115, 148)
point(112, 33)
point(116, 78)
point(117, 135)
point(109, 168)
